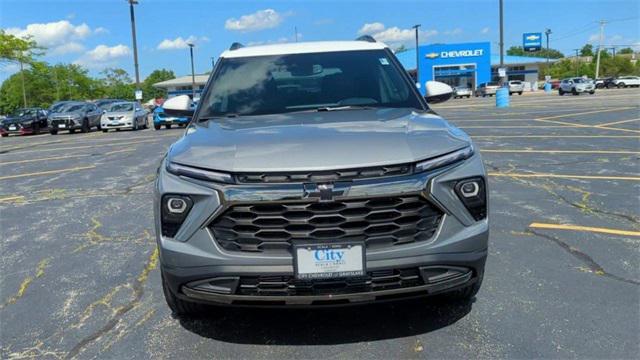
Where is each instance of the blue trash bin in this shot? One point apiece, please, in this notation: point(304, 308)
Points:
point(547, 87)
point(502, 97)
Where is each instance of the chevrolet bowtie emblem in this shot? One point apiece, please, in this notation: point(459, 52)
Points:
point(325, 191)
point(432, 55)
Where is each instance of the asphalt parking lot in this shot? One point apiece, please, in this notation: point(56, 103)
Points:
point(79, 263)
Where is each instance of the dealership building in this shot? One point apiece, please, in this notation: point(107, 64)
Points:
point(183, 85)
point(468, 64)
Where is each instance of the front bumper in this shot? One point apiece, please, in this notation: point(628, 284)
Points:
point(193, 256)
point(169, 120)
point(18, 130)
point(65, 124)
point(121, 124)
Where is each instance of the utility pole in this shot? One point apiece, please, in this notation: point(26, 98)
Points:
point(416, 27)
point(501, 43)
point(135, 45)
point(295, 29)
point(547, 32)
point(577, 60)
point(613, 49)
point(193, 73)
point(602, 22)
point(24, 90)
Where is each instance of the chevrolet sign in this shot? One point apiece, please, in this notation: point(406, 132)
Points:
point(532, 41)
point(461, 53)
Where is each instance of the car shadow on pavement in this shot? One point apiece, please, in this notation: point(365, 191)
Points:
point(326, 326)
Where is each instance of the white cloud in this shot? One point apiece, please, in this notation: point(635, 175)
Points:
point(485, 30)
point(101, 30)
point(180, 42)
point(54, 33)
point(70, 47)
point(456, 31)
point(371, 28)
point(394, 35)
point(259, 20)
point(103, 56)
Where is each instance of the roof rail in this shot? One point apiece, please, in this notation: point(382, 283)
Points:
point(367, 38)
point(236, 46)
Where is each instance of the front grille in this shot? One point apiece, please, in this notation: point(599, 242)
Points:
point(330, 175)
point(379, 222)
point(290, 286)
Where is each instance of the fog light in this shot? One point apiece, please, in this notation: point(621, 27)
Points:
point(472, 193)
point(469, 189)
point(176, 205)
point(174, 210)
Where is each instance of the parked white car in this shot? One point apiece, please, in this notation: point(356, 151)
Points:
point(576, 86)
point(124, 115)
point(627, 81)
point(516, 86)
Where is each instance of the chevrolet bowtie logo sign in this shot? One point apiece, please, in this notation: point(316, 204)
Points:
point(432, 55)
point(532, 37)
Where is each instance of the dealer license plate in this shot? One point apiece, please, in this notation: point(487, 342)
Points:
point(12, 127)
point(62, 126)
point(329, 261)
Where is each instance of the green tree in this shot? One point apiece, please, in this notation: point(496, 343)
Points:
point(117, 84)
point(519, 51)
point(626, 50)
point(148, 91)
point(586, 50)
point(14, 49)
point(46, 84)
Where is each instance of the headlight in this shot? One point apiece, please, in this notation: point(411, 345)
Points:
point(444, 160)
point(198, 173)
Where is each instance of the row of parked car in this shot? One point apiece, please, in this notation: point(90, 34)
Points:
point(488, 89)
point(72, 116)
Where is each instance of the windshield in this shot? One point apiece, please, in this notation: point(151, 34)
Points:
point(71, 108)
point(24, 112)
point(121, 107)
point(492, 84)
point(297, 82)
point(578, 80)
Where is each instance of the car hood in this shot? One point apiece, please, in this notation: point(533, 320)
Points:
point(317, 141)
point(119, 113)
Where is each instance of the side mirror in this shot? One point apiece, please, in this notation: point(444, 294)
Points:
point(437, 92)
point(178, 106)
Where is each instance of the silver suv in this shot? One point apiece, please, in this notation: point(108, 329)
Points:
point(316, 174)
point(576, 86)
point(516, 87)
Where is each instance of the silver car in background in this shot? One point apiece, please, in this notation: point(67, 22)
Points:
point(124, 115)
point(461, 91)
point(487, 89)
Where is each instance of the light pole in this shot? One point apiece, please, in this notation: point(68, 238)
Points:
point(416, 27)
point(602, 22)
point(501, 45)
point(24, 89)
point(135, 45)
point(547, 32)
point(193, 73)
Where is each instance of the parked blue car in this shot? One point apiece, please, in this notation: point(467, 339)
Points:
point(160, 119)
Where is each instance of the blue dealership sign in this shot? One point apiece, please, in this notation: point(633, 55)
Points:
point(532, 41)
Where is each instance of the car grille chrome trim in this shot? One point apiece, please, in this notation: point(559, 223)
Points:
point(329, 175)
point(272, 227)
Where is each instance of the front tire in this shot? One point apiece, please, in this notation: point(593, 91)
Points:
point(105, 130)
point(168, 126)
point(177, 305)
point(157, 127)
point(85, 126)
point(621, 85)
point(520, 93)
point(560, 92)
point(5, 135)
point(53, 132)
point(592, 92)
point(135, 125)
point(574, 92)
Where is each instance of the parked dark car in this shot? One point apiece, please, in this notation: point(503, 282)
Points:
point(75, 116)
point(25, 121)
point(607, 82)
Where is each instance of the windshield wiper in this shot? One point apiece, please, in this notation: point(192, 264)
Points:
point(345, 107)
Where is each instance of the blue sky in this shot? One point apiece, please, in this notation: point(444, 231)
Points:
point(97, 33)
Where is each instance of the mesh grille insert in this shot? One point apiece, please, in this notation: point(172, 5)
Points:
point(379, 222)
